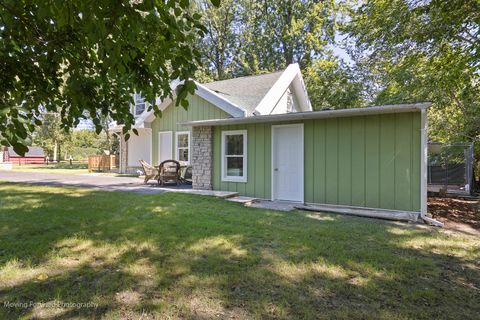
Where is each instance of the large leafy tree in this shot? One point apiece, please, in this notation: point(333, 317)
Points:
point(219, 46)
point(84, 143)
point(50, 135)
point(250, 36)
point(423, 50)
point(332, 84)
point(278, 33)
point(85, 57)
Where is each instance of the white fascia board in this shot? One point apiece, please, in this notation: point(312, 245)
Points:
point(300, 91)
point(291, 75)
point(162, 105)
point(203, 92)
point(298, 116)
point(149, 116)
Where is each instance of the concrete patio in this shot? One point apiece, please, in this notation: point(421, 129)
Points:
point(102, 182)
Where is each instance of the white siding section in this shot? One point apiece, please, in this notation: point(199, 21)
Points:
point(140, 147)
point(287, 103)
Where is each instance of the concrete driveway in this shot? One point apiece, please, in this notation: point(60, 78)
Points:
point(108, 183)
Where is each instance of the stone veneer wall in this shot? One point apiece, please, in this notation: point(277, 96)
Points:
point(202, 157)
point(123, 154)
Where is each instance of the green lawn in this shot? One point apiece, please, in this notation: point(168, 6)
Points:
point(182, 256)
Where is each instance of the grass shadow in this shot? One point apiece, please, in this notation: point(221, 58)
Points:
point(183, 256)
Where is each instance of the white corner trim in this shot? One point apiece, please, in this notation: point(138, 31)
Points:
point(423, 172)
point(272, 163)
point(176, 145)
point(224, 176)
point(150, 134)
point(220, 101)
point(423, 163)
point(292, 74)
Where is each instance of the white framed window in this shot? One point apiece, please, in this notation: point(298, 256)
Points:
point(234, 156)
point(139, 104)
point(182, 146)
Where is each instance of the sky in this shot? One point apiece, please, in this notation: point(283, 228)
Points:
point(339, 51)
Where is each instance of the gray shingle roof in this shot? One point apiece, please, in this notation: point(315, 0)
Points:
point(32, 152)
point(245, 92)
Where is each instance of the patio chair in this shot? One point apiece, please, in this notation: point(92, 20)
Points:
point(151, 172)
point(187, 175)
point(169, 171)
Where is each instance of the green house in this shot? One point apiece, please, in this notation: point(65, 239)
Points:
point(163, 138)
point(259, 137)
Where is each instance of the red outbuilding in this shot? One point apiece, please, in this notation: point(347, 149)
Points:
point(34, 155)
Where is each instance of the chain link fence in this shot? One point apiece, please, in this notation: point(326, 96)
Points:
point(450, 168)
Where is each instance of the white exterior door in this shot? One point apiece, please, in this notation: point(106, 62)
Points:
point(165, 146)
point(287, 162)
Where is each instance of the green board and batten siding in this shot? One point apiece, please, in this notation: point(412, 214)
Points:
point(367, 161)
point(199, 109)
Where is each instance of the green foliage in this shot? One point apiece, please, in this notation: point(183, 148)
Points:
point(219, 46)
point(85, 58)
point(409, 51)
point(49, 135)
point(331, 84)
point(250, 37)
point(84, 143)
point(78, 144)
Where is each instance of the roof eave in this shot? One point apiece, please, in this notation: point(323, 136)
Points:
point(339, 113)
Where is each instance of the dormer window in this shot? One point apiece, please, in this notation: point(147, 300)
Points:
point(140, 104)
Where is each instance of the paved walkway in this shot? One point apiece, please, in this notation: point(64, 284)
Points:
point(130, 184)
point(107, 183)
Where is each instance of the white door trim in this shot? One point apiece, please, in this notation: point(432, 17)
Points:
point(159, 145)
point(150, 133)
point(302, 162)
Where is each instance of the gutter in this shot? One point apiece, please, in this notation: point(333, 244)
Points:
point(312, 115)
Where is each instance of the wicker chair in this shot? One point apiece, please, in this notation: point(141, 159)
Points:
point(151, 172)
point(187, 175)
point(169, 171)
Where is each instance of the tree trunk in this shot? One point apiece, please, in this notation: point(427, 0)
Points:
point(55, 149)
point(287, 45)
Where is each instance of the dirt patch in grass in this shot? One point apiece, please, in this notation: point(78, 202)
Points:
point(457, 214)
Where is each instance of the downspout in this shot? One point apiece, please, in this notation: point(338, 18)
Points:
point(423, 172)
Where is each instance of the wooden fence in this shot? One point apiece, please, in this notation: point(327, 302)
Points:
point(102, 163)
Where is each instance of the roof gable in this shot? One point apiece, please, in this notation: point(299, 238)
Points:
point(32, 152)
point(203, 92)
point(245, 96)
point(245, 91)
point(291, 79)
